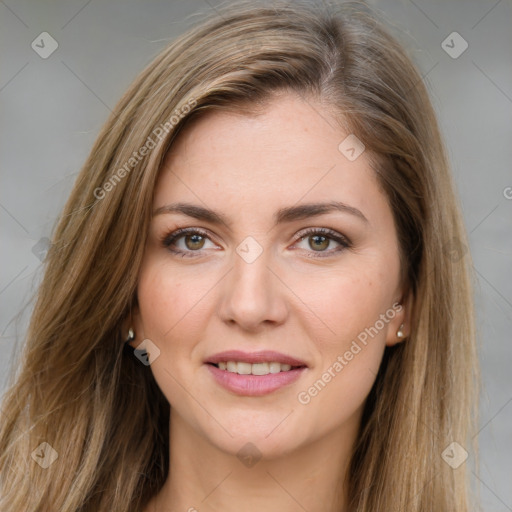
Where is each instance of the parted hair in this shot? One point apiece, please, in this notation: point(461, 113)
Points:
point(79, 388)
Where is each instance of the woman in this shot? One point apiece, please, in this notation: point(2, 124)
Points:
point(255, 298)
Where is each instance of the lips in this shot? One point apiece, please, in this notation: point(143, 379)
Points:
point(256, 373)
point(264, 356)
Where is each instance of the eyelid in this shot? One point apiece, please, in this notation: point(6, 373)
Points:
point(343, 241)
point(168, 238)
point(183, 231)
point(339, 238)
point(331, 233)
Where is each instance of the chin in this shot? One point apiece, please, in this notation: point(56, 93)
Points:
point(249, 446)
point(267, 436)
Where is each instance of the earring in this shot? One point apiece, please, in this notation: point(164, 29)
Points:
point(131, 335)
point(400, 332)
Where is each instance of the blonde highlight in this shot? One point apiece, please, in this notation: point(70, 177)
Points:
point(80, 388)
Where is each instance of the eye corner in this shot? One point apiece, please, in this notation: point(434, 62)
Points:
point(168, 240)
point(331, 235)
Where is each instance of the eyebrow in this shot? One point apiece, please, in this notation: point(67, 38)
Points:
point(287, 214)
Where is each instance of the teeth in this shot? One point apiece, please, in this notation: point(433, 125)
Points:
point(254, 368)
point(274, 367)
point(244, 368)
point(260, 369)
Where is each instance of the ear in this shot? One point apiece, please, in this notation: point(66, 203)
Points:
point(134, 322)
point(401, 322)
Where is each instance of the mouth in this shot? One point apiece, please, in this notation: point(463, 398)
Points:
point(264, 368)
point(254, 374)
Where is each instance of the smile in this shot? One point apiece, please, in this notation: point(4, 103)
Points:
point(263, 368)
point(254, 373)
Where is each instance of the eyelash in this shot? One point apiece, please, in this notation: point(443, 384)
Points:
point(169, 239)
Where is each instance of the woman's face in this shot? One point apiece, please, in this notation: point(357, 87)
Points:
point(289, 258)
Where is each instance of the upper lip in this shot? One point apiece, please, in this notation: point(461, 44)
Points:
point(262, 356)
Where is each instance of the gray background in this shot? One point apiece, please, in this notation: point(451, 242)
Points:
point(52, 110)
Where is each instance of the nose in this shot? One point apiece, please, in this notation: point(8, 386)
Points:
point(253, 297)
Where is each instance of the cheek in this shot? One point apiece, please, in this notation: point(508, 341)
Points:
point(171, 300)
point(346, 304)
point(350, 351)
point(336, 396)
point(174, 307)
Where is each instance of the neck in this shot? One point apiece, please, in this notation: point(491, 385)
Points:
point(204, 478)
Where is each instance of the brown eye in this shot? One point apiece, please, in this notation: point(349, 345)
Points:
point(194, 242)
point(189, 242)
point(322, 242)
point(318, 242)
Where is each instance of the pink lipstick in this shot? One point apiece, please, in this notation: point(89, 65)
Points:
point(254, 373)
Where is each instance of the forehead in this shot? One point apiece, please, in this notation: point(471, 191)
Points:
point(288, 152)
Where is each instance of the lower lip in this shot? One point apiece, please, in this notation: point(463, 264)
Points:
point(254, 385)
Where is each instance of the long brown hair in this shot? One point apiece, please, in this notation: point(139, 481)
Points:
point(83, 392)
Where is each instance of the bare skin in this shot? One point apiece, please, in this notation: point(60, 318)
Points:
point(307, 295)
